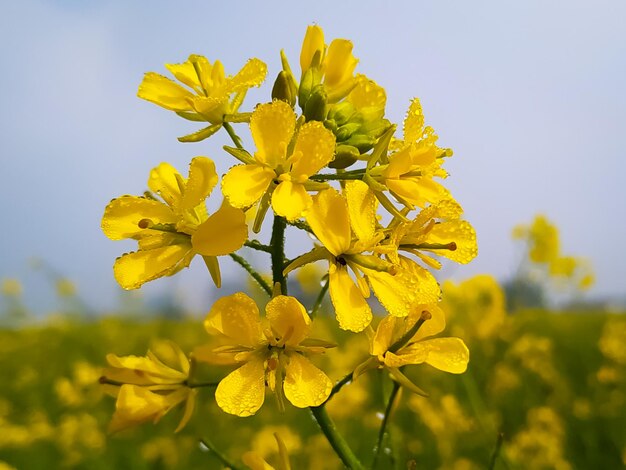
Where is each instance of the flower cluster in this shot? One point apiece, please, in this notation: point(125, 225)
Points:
point(326, 161)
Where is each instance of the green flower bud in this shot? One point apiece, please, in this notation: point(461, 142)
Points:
point(284, 89)
point(341, 112)
point(362, 142)
point(345, 155)
point(346, 131)
point(315, 107)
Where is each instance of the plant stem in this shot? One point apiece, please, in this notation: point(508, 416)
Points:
point(383, 425)
point(337, 177)
point(339, 385)
point(301, 225)
point(320, 299)
point(231, 132)
point(335, 439)
point(277, 244)
point(209, 445)
point(257, 245)
point(202, 384)
point(496, 451)
point(255, 275)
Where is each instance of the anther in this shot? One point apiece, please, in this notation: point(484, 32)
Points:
point(145, 223)
point(426, 315)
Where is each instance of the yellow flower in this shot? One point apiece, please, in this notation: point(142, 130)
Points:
point(266, 354)
point(346, 226)
point(148, 387)
point(207, 97)
point(255, 461)
point(409, 170)
point(279, 168)
point(396, 343)
point(334, 65)
point(172, 232)
point(543, 238)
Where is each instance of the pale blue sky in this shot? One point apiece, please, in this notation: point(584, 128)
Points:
point(529, 95)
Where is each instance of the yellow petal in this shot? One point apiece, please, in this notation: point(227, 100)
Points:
point(420, 280)
point(362, 205)
point(305, 385)
point(164, 181)
point(329, 220)
point(164, 92)
point(251, 74)
point(384, 336)
point(170, 355)
point(255, 462)
point(243, 185)
point(431, 327)
point(237, 317)
point(288, 319)
point(352, 310)
point(222, 233)
point(446, 354)
point(395, 292)
point(314, 149)
point(242, 392)
point(134, 269)
point(202, 179)
point(135, 369)
point(136, 405)
point(461, 233)
point(368, 94)
point(313, 42)
point(122, 216)
point(290, 200)
point(189, 409)
point(339, 63)
point(414, 122)
point(272, 126)
point(185, 73)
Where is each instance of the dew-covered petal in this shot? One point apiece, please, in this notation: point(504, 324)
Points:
point(164, 92)
point(305, 385)
point(420, 280)
point(122, 216)
point(362, 205)
point(185, 73)
point(237, 317)
point(461, 233)
point(352, 310)
point(272, 126)
point(202, 179)
point(242, 392)
point(313, 42)
point(414, 122)
point(131, 270)
point(288, 318)
point(163, 180)
point(222, 233)
point(434, 325)
point(339, 63)
point(243, 185)
point(314, 149)
point(383, 337)
point(329, 220)
point(251, 74)
point(290, 200)
point(367, 94)
point(446, 354)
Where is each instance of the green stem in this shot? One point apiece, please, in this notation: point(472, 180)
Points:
point(202, 384)
point(335, 439)
point(383, 426)
point(209, 445)
point(339, 385)
point(277, 244)
point(257, 245)
point(409, 334)
point(255, 275)
point(338, 177)
point(231, 132)
point(320, 299)
point(496, 451)
point(301, 225)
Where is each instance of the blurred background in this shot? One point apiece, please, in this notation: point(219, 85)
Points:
point(530, 97)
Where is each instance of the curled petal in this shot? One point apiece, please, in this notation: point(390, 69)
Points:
point(244, 185)
point(328, 217)
point(164, 180)
point(313, 42)
point(242, 392)
point(340, 63)
point(305, 385)
point(202, 179)
point(290, 200)
point(237, 317)
point(288, 318)
point(164, 92)
point(446, 354)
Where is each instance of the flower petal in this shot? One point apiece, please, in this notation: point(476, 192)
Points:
point(446, 354)
point(305, 385)
point(164, 92)
point(242, 392)
point(251, 74)
point(314, 149)
point(352, 310)
point(132, 270)
point(328, 217)
point(243, 185)
point(222, 233)
point(202, 179)
point(237, 317)
point(384, 336)
point(288, 318)
point(185, 73)
point(414, 122)
point(272, 126)
point(122, 216)
point(290, 200)
point(313, 42)
point(461, 233)
point(339, 63)
point(163, 180)
point(362, 204)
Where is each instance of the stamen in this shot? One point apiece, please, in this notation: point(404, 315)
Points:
point(145, 223)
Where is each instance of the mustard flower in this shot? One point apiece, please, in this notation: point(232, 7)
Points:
point(398, 342)
point(279, 168)
point(273, 355)
point(171, 232)
point(207, 93)
point(346, 226)
point(255, 461)
point(148, 387)
point(408, 172)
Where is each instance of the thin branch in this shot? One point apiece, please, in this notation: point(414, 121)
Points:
point(383, 425)
point(255, 275)
point(209, 445)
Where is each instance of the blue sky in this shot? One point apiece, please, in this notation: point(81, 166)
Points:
point(530, 96)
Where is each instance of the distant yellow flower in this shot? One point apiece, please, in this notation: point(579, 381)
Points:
point(148, 387)
point(274, 355)
point(208, 96)
point(278, 168)
point(11, 287)
point(409, 171)
point(346, 226)
point(543, 238)
point(394, 346)
point(256, 461)
point(172, 232)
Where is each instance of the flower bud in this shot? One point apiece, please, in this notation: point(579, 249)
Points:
point(315, 108)
point(284, 89)
point(345, 156)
